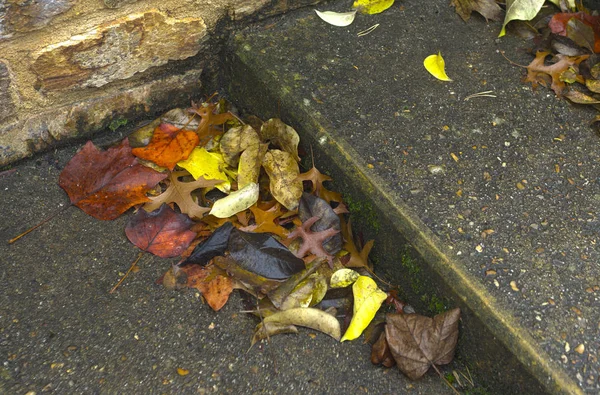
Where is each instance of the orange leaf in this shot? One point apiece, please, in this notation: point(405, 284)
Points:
point(214, 284)
point(317, 179)
point(168, 146)
point(266, 221)
point(540, 73)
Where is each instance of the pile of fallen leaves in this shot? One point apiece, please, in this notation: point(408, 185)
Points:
point(567, 43)
point(228, 198)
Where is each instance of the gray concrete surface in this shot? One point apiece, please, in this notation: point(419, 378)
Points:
point(524, 164)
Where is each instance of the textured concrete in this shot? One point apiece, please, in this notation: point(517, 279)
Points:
point(498, 194)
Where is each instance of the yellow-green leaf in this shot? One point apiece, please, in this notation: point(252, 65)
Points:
point(209, 165)
point(523, 10)
point(306, 316)
point(342, 278)
point(367, 300)
point(372, 6)
point(436, 66)
point(236, 202)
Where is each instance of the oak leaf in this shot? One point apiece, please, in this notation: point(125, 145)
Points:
point(267, 221)
point(312, 242)
point(168, 146)
point(417, 342)
point(105, 184)
point(208, 120)
point(162, 232)
point(357, 258)
point(540, 73)
point(179, 192)
point(316, 178)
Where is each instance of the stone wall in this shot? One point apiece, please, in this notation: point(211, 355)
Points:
point(70, 68)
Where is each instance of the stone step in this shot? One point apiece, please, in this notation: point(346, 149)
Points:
point(497, 195)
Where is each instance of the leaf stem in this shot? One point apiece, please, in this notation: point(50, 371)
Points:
point(47, 219)
point(128, 271)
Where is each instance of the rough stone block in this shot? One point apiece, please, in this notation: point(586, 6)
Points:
point(118, 50)
point(29, 15)
point(7, 105)
point(47, 129)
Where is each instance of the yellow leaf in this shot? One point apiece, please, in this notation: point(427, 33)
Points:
point(283, 172)
point(209, 165)
point(367, 300)
point(343, 277)
point(436, 66)
point(182, 372)
point(372, 6)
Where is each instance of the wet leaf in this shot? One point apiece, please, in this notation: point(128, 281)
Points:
point(267, 221)
point(250, 164)
point(357, 258)
point(105, 184)
point(235, 202)
point(208, 165)
point(436, 66)
point(278, 295)
point(282, 169)
point(417, 342)
point(214, 284)
point(489, 9)
point(306, 294)
point(214, 246)
point(162, 232)
point(337, 18)
point(179, 192)
point(281, 136)
point(312, 242)
point(372, 6)
point(581, 34)
point(168, 146)
point(260, 253)
point(523, 10)
point(580, 97)
point(313, 206)
point(342, 278)
point(308, 317)
point(367, 301)
point(254, 284)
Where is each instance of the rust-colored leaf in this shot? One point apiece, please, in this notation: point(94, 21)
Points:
point(168, 146)
point(208, 120)
point(214, 284)
point(316, 178)
point(357, 258)
point(179, 192)
point(540, 73)
point(417, 342)
point(267, 221)
point(104, 184)
point(381, 354)
point(162, 232)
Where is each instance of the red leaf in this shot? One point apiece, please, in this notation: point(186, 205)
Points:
point(104, 184)
point(168, 146)
point(162, 232)
point(214, 284)
point(559, 21)
point(312, 242)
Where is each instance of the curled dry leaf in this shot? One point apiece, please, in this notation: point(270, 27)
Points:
point(279, 295)
point(237, 140)
point(235, 202)
point(308, 293)
point(282, 169)
point(417, 342)
point(271, 329)
point(308, 317)
point(337, 18)
point(281, 136)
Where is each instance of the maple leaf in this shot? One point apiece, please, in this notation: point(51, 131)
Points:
point(168, 146)
point(105, 184)
point(357, 259)
point(266, 221)
point(489, 9)
point(179, 192)
point(312, 241)
point(317, 179)
point(417, 342)
point(540, 73)
point(162, 232)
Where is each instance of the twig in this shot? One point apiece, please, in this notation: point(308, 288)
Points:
point(480, 94)
point(128, 271)
point(62, 210)
point(443, 378)
point(510, 61)
point(367, 31)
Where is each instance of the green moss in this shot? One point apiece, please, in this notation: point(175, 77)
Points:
point(364, 212)
point(450, 378)
point(117, 123)
point(414, 269)
point(434, 304)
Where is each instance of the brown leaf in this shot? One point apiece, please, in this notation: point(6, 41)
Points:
point(104, 184)
point(540, 73)
point(281, 135)
point(417, 342)
point(266, 221)
point(168, 146)
point(316, 178)
point(381, 354)
point(206, 128)
point(284, 184)
point(357, 259)
point(162, 232)
point(489, 9)
point(214, 284)
point(179, 192)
